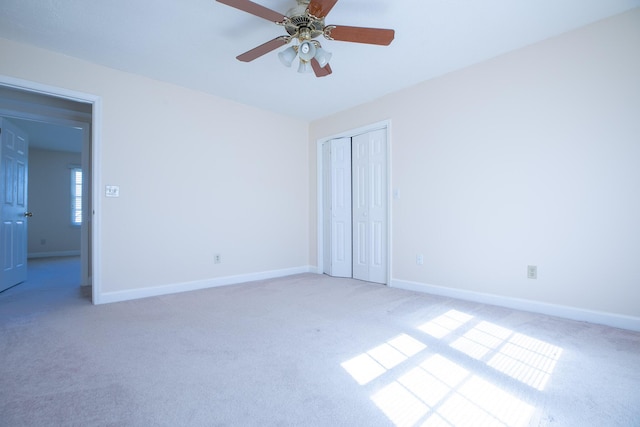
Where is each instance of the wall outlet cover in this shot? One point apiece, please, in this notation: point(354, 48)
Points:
point(112, 191)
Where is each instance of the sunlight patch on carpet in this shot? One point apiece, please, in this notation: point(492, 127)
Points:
point(370, 365)
point(439, 391)
point(526, 359)
point(443, 325)
point(482, 339)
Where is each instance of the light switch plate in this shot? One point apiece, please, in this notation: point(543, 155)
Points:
point(112, 191)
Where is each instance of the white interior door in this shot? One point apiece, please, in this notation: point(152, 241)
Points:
point(14, 147)
point(337, 202)
point(370, 206)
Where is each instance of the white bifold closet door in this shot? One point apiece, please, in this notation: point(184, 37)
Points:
point(355, 207)
point(337, 207)
point(369, 206)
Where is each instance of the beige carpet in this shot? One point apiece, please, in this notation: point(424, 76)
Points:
point(306, 350)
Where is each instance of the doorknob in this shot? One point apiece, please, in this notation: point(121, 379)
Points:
point(28, 214)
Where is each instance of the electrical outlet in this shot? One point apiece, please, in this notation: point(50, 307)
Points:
point(217, 259)
point(112, 191)
point(419, 259)
point(532, 272)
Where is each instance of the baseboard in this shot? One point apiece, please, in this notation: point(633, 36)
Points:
point(52, 254)
point(118, 296)
point(573, 313)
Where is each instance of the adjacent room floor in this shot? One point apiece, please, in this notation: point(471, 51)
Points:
point(305, 350)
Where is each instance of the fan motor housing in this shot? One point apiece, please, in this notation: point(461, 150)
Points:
point(301, 24)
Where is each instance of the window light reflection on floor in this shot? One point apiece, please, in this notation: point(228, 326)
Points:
point(445, 324)
point(523, 358)
point(439, 391)
point(369, 365)
point(401, 406)
point(480, 340)
point(527, 360)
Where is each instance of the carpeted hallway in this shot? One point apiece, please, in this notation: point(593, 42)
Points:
point(306, 350)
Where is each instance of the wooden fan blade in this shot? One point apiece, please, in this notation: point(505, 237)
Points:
point(320, 71)
point(255, 9)
point(265, 48)
point(320, 8)
point(343, 33)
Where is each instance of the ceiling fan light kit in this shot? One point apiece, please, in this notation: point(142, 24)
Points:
point(322, 56)
point(304, 67)
point(304, 23)
point(288, 55)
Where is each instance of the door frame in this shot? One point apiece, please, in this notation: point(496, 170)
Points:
point(92, 261)
point(386, 125)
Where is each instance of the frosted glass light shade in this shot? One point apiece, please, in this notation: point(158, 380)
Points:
point(306, 50)
point(304, 67)
point(322, 56)
point(287, 56)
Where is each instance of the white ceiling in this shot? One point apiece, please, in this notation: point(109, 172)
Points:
point(48, 136)
point(194, 43)
point(51, 123)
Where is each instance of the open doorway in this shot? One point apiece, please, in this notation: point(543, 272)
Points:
point(55, 188)
point(60, 125)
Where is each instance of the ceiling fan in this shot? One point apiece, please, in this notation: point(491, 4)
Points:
point(304, 23)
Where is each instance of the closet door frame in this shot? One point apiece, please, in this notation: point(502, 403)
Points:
point(320, 233)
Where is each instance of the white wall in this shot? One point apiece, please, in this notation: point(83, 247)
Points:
point(50, 232)
point(198, 176)
point(530, 158)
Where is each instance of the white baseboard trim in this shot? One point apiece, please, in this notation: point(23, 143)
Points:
point(118, 296)
point(573, 313)
point(52, 254)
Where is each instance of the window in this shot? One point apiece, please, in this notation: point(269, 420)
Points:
point(76, 196)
